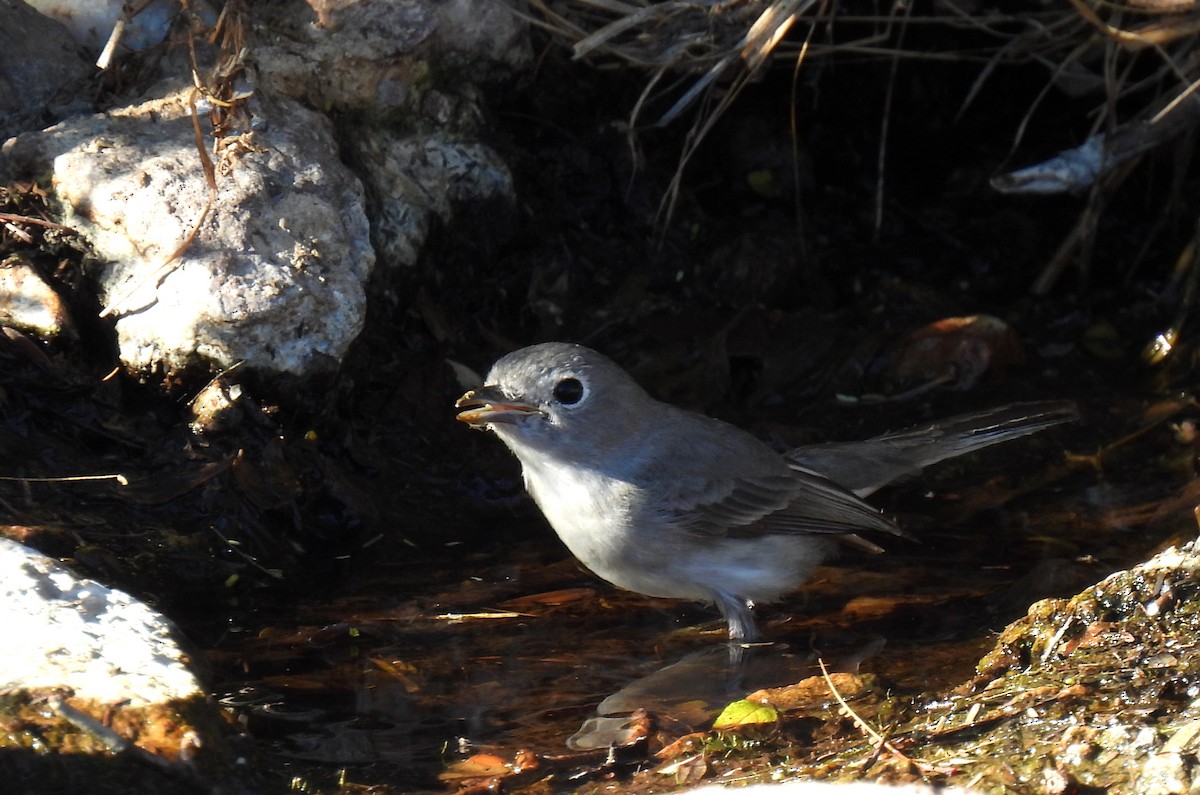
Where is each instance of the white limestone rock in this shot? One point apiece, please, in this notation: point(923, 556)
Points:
point(275, 273)
point(65, 631)
point(91, 22)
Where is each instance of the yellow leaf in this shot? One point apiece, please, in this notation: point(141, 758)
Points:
point(745, 713)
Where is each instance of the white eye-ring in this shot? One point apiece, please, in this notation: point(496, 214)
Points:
point(570, 391)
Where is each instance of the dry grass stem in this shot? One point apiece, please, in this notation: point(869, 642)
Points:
point(1140, 60)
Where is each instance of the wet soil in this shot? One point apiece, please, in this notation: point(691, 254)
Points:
point(383, 610)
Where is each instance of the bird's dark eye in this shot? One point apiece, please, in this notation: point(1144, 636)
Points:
point(568, 391)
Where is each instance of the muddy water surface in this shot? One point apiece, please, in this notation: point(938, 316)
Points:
point(433, 669)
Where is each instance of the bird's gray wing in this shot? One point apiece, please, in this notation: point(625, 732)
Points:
point(867, 466)
point(799, 502)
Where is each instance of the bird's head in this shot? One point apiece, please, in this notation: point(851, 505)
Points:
point(555, 396)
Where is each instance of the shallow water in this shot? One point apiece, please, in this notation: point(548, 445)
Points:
point(393, 678)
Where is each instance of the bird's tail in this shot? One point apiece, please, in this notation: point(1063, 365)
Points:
point(867, 466)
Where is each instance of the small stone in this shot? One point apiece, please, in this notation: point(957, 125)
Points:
point(29, 304)
point(1163, 774)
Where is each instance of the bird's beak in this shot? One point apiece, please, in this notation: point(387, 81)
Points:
point(487, 404)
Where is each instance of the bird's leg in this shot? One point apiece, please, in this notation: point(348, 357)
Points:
point(741, 627)
point(738, 616)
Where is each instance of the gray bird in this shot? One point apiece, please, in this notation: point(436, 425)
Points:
point(669, 503)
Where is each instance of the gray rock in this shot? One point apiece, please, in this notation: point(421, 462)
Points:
point(385, 55)
point(41, 69)
point(418, 179)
